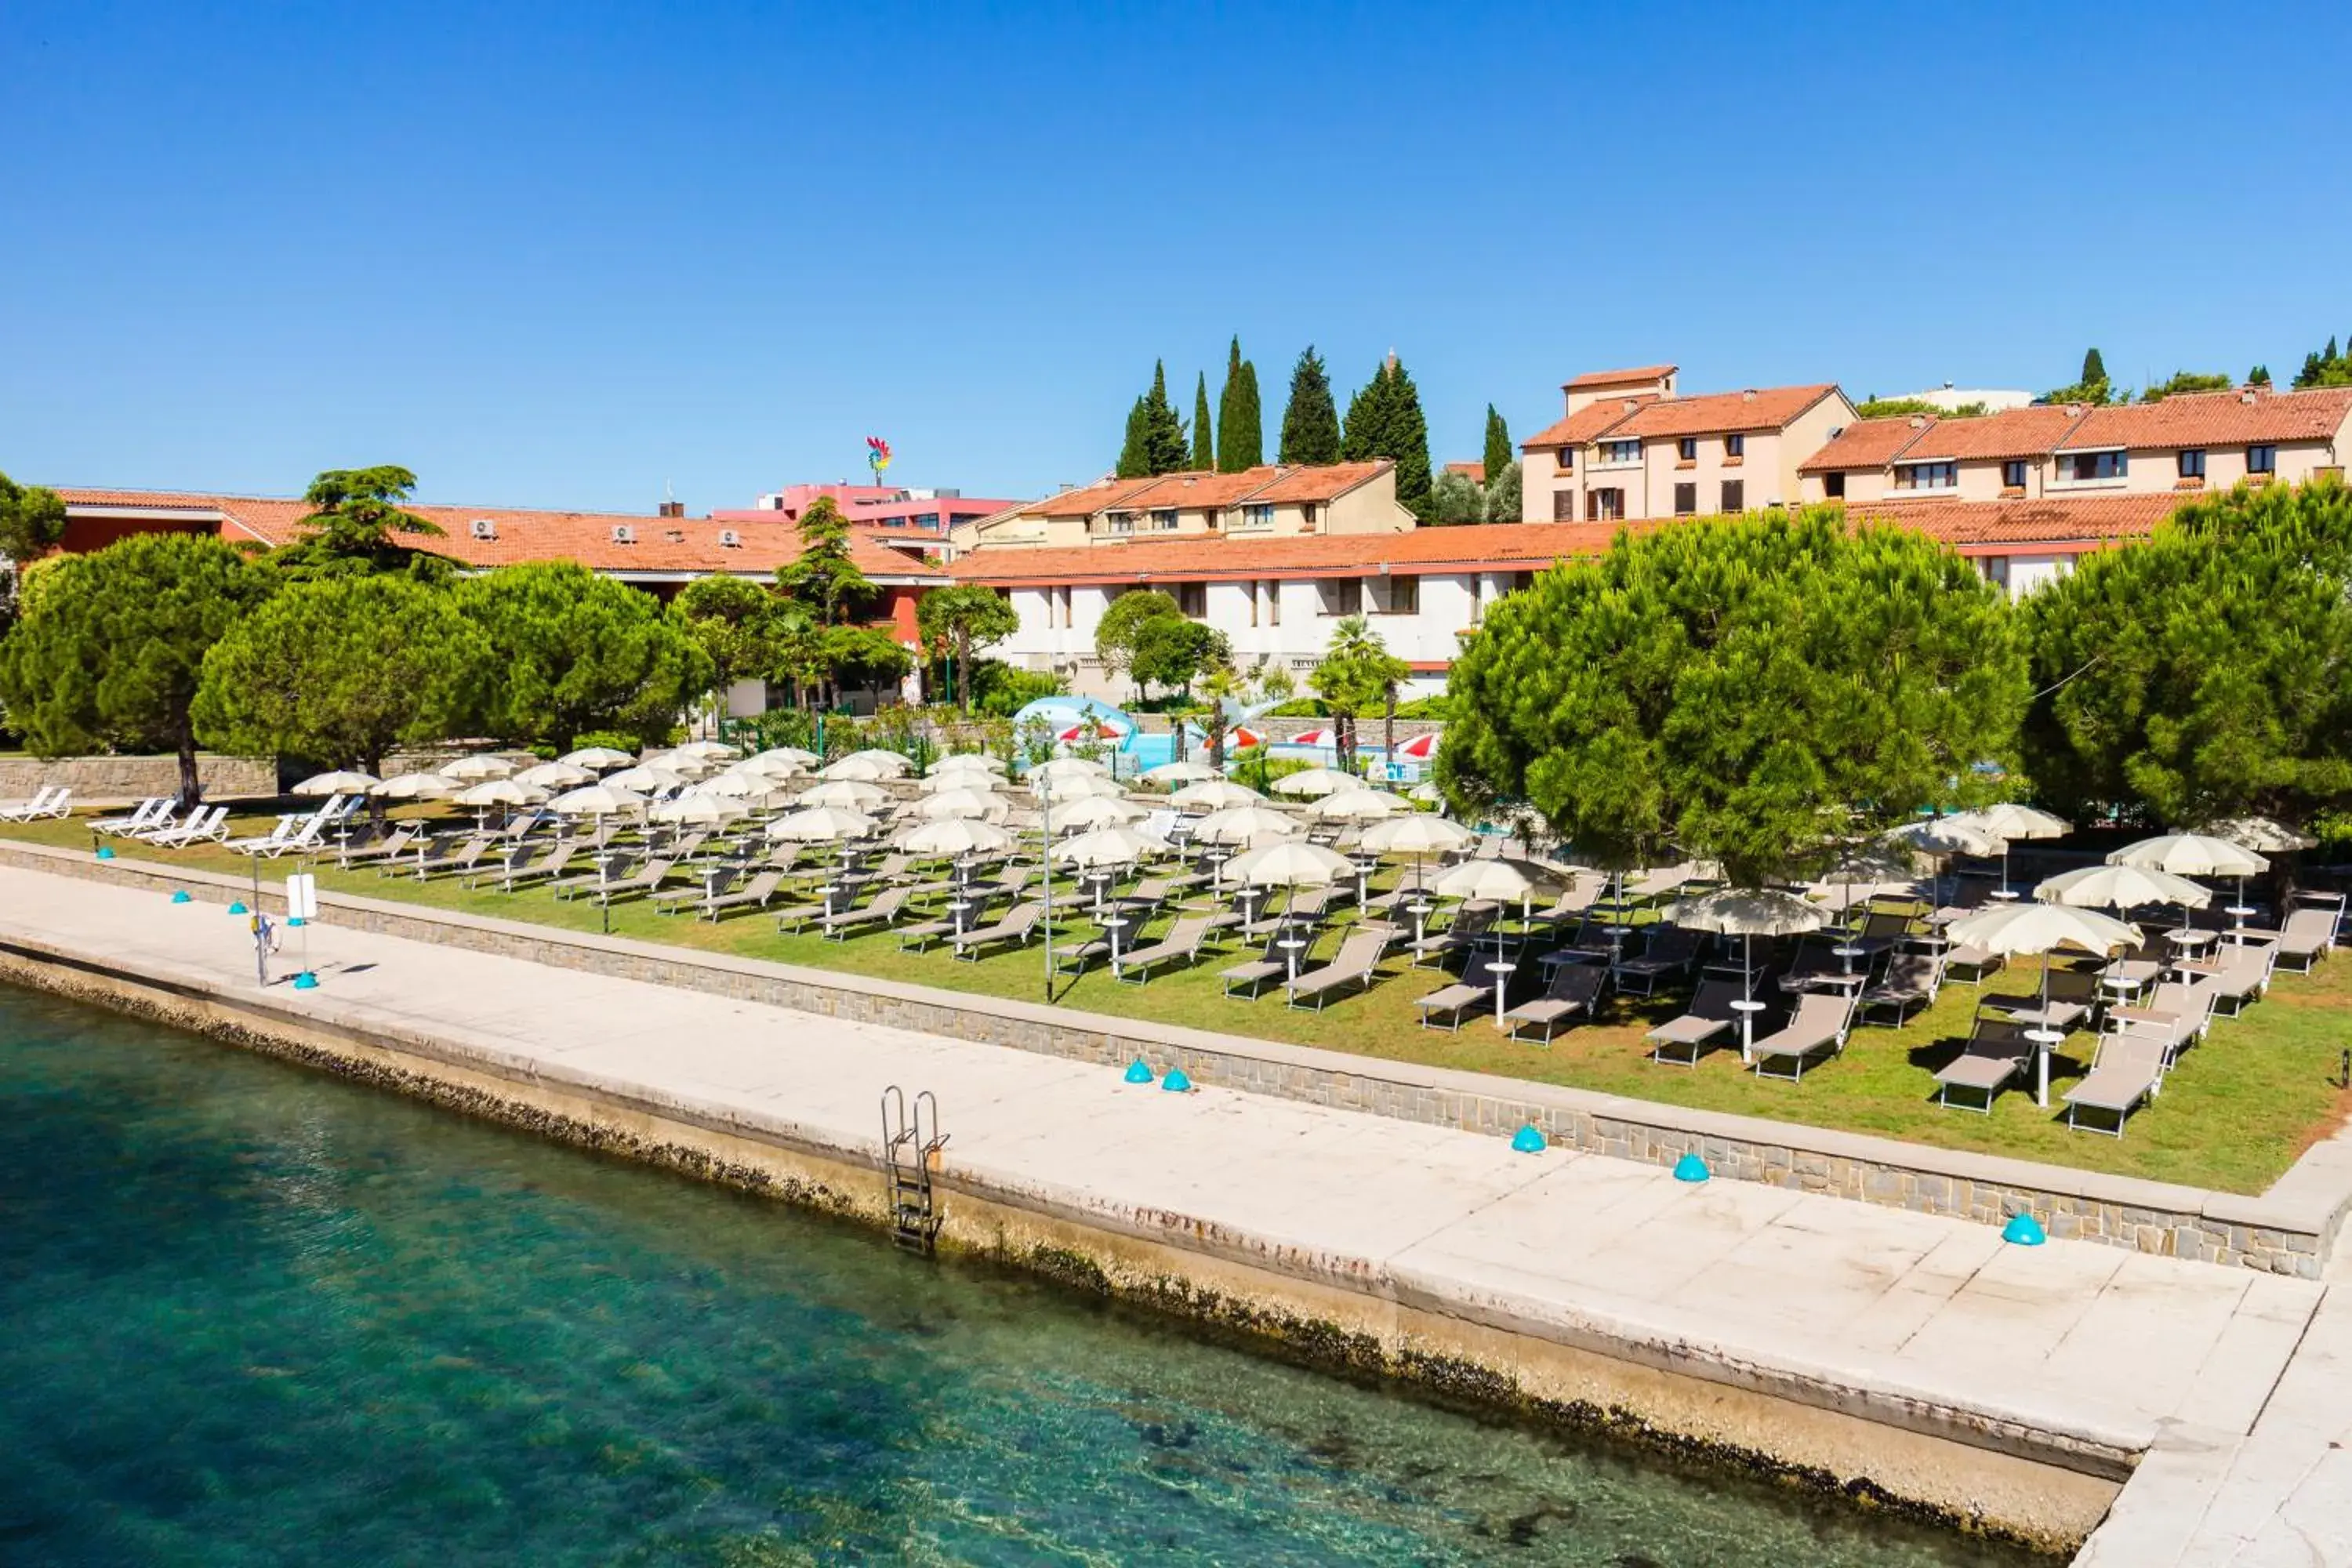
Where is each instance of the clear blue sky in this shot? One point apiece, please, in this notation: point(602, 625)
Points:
point(563, 254)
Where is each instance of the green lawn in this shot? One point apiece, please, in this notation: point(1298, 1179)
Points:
point(2234, 1116)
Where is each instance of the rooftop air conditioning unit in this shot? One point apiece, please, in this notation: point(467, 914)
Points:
point(485, 529)
point(624, 534)
point(729, 540)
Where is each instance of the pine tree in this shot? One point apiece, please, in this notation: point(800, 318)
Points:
point(2094, 369)
point(2259, 376)
point(1241, 432)
point(1310, 421)
point(1164, 451)
point(1498, 444)
point(1385, 420)
point(1205, 446)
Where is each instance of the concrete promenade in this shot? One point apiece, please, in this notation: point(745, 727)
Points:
point(2238, 1383)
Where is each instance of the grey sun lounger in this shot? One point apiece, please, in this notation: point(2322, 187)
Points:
point(1454, 1000)
point(2128, 1069)
point(1672, 952)
point(887, 906)
point(546, 869)
point(645, 880)
point(714, 883)
point(1575, 990)
point(1710, 1020)
point(1817, 1027)
point(1912, 980)
point(1180, 945)
point(753, 894)
point(1254, 973)
point(2309, 933)
point(1995, 1053)
point(1014, 929)
point(2244, 974)
point(401, 840)
point(2177, 1014)
point(1357, 960)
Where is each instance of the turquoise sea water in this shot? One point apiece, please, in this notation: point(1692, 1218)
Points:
point(253, 1315)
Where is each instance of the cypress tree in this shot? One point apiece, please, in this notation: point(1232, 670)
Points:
point(1498, 444)
point(1241, 427)
point(2094, 369)
point(1131, 460)
point(1164, 450)
point(1310, 422)
point(1204, 448)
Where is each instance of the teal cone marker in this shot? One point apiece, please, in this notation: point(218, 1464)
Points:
point(106, 851)
point(180, 896)
point(1137, 1072)
point(1528, 1141)
point(2024, 1230)
point(293, 919)
point(1690, 1167)
point(236, 907)
point(1176, 1083)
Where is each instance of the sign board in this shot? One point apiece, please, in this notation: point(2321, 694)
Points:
point(303, 897)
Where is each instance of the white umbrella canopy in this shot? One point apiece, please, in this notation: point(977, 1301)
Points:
point(597, 759)
point(718, 750)
point(501, 792)
point(1315, 783)
point(966, 761)
point(645, 778)
point(1183, 772)
point(1419, 834)
point(342, 781)
point(959, 778)
point(416, 786)
point(1078, 786)
point(1098, 811)
point(859, 768)
point(793, 754)
point(699, 809)
point(1116, 845)
point(739, 784)
point(555, 776)
point(2190, 855)
point(481, 765)
point(2120, 888)
point(1501, 879)
point(598, 800)
point(2262, 834)
point(768, 765)
point(964, 804)
point(1244, 824)
point(954, 835)
point(687, 765)
point(821, 825)
point(1357, 805)
point(1290, 863)
point(1215, 794)
point(893, 764)
point(850, 794)
point(2028, 928)
point(2013, 822)
point(1060, 768)
point(1747, 912)
point(1426, 794)
point(1946, 835)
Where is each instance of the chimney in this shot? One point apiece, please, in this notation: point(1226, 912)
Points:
point(673, 509)
point(1747, 395)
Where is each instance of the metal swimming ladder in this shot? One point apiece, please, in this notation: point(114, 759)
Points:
point(908, 1155)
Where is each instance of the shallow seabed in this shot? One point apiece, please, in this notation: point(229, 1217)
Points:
point(250, 1314)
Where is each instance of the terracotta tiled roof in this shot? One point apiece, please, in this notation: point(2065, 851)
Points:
point(1324, 482)
point(1768, 408)
point(1086, 500)
point(1196, 491)
point(2011, 433)
point(1866, 443)
point(529, 535)
point(2215, 419)
point(2062, 521)
point(1475, 472)
point(1618, 377)
point(2066, 524)
point(1587, 424)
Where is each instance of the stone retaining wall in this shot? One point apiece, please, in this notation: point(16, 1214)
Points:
point(105, 780)
point(2289, 1230)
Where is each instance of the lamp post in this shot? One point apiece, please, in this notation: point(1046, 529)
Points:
point(1045, 866)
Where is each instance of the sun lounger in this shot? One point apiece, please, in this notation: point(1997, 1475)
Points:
point(715, 881)
point(204, 825)
point(615, 868)
point(1575, 990)
point(1671, 952)
point(249, 846)
point(1454, 1002)
point(754, 894)
point(1912, 980)
point(1996, 1052)
point(146, 813)
point(461, 859)
point(2244, 974)
point(50, 800)
point(1014, 929)
point(1256, 972)
point(1472, 923)
point(1357, 960)
point(1818, 1026)
point(399, 842)
point(1977, 961)
point(918, 937)
point(2128, 1069)
point(1180, 945)
point(1710, 1020)
point(2309, 933)
point(2177, 1014)
point(886, 907)
point(2064, 1001)
point(647, 879)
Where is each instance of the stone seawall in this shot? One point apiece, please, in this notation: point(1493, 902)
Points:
point(2290, 1230)
point(97, 781)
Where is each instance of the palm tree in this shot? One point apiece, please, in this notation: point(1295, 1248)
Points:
point(1358, 671)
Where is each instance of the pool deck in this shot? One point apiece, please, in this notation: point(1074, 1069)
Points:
point(2235, 1384)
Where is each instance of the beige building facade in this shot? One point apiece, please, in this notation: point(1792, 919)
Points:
point(1631, 447)
point(1271, 501)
